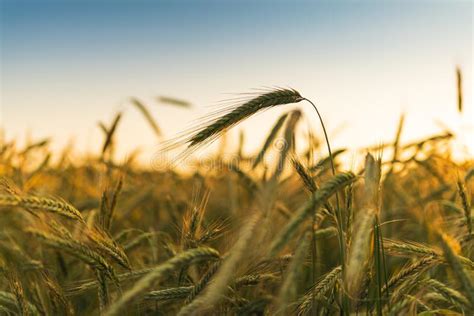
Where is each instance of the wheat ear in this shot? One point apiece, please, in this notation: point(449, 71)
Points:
point(215, 291)
point(460, 273)
point(326, 190)
point(48, 204)
point(447, 292)
point(319, 290)
point(147, 281)
point(270, 99)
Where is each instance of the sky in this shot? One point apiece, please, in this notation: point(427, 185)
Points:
point(65, 65)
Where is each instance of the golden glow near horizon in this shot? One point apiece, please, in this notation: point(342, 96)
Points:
point(363, 67)
point(359, 112)
point(354, 127)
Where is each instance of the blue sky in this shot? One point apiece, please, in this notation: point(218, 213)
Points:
point(67, 64)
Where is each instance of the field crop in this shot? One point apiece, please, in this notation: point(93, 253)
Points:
point(294, 235)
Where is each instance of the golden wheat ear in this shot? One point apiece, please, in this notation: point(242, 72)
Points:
point(210, 127)
point(270, 99)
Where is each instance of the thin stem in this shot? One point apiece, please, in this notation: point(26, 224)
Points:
point(338, 210)
point(325, 135)
point(378, 268)
point(313, 259)
point(384, 262)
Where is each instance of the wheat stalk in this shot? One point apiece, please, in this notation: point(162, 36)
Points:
point(465, 205)
point(77, 250)
point(326, 190)
point(103, 292)
point(10, 299)
point(469, 175)
point(142, 108)
point(147, 281)
point(405, 249)
point(203, 282)
point(174, 101)
point(416, 267)
point(48, 204)
point(105, 244)
point(459, 88)
point(18, 291)
point(270, 99)
point(215, 124)
point(447, 292)
point(458, 269)
point(289, 142)
point(289, 288)
point(188, 291)
point(169, 294)
point(109, 133)
point(271, 136)
point(308, 181)
point(225, 273)
point(319, 290)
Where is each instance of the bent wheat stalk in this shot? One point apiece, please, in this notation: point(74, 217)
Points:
point(222, 120)
point(218, 122)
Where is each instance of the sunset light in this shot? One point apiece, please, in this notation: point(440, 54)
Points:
point(236, 157)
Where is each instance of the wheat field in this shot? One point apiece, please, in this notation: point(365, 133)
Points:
point(299, 234)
